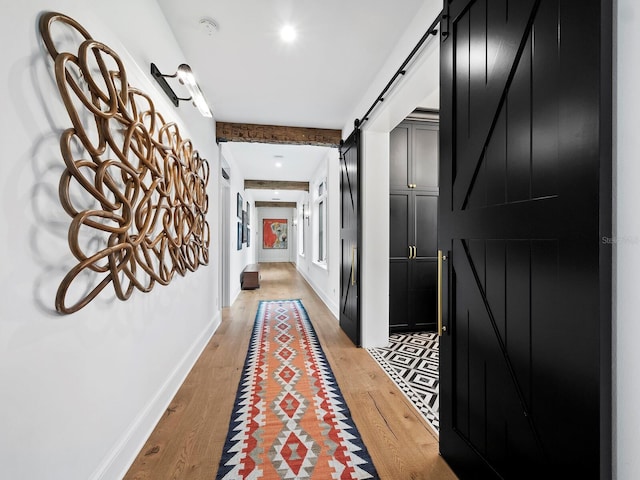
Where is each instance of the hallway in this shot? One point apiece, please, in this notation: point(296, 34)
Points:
point(188, 440)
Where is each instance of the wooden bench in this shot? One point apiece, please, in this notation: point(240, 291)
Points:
point(250, 277)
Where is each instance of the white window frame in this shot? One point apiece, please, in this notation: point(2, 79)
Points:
point(320, 231)
point(301, 229)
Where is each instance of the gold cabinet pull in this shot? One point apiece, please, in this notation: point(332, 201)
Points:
point(441, 327)
point(410, 252)
point(353, 278)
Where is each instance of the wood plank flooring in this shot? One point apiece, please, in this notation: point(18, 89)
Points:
point(188, 440)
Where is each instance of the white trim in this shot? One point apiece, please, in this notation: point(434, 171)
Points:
point(322, 265)
point(374, 256)
point(119, 459)
point(317, 200)
point(333, 307)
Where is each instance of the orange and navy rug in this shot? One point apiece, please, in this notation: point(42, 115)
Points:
point(290, 419)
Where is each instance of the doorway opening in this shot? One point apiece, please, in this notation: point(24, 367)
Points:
point(405, 129)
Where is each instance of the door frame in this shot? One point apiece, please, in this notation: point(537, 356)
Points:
point(419, 82)
point(224, 238)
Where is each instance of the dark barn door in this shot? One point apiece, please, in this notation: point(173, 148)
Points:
point(350, 236)
point(524, 202)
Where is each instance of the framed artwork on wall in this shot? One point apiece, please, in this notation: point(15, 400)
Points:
point(274, 233)
point(239, 235)
point(248, 210)
point(248, 237)
point(244, 227)
point(239, 204)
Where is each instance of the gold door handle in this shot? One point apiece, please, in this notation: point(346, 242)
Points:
point(415, 252)
point(410, 252)
point(441, 327)
point(353, 278)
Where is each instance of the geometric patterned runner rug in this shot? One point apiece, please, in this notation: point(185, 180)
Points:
point(411, 361)
point(289, 419)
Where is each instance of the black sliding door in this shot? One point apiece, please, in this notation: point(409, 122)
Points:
point(350, 236)
point(525, 200)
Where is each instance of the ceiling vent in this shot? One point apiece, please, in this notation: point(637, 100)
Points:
point(209, 26)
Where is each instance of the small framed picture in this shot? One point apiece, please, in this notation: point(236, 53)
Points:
point(244, 227)
point(239, 205)
point(239, 246)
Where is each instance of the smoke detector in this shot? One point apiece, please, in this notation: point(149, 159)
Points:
point(209, 26)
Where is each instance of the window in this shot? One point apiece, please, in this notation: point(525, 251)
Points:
point(321, 236)
point(302, 230)
point(321, 222)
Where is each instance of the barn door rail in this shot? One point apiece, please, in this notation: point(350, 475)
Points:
point(431, 32)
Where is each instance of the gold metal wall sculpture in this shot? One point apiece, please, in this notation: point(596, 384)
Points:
point(135, 189)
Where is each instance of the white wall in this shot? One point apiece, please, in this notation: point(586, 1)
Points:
point(627, 249)
point(375, 234)
point(238, 259)
point(274, 254)
point(81, 393)
point(325, 279)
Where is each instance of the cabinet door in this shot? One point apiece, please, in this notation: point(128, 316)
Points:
point(423, 283)
point(400, 207)
point(426, 224)
point(424, 155)
point(399, 144)
point(399, 293)
point(400, 224)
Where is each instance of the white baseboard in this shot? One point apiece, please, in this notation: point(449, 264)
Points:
point(234, 295)
point(118, 461)
point(332, 306)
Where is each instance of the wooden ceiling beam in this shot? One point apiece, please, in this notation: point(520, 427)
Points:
point(276, 204)
point(275, 185)
point(253, 133)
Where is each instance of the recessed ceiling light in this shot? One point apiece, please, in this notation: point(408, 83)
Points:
point(275, 192)
point(278, 164)
point(288, 33)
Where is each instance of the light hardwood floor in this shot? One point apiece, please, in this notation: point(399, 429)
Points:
point(188, 440)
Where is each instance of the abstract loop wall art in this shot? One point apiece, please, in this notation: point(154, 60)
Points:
point(136, 191)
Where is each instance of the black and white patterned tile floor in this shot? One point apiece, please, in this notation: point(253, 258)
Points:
point(411, 361)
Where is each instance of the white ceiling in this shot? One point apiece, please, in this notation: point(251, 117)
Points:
point(257, 161)
point(249, 75)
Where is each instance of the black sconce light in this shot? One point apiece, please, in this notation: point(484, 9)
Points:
point(186, 77)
